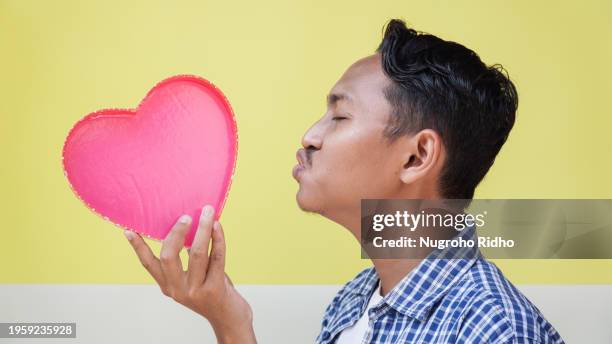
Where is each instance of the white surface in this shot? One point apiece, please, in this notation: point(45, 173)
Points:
point(283, 314)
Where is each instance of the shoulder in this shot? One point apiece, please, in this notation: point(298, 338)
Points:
point(497, 309)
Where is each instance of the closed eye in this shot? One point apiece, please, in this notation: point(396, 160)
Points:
point(338, 118)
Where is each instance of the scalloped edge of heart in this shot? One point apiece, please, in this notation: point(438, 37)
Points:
point(133, 111)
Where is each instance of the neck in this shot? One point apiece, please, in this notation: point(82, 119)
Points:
point(389, 271)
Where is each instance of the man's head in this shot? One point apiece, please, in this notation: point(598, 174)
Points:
point(421, 118)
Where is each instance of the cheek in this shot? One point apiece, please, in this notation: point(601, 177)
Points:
point(355, 166)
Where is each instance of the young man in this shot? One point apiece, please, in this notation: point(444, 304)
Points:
point(422, 118)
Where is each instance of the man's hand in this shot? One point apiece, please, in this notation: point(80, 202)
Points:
point(204, 287)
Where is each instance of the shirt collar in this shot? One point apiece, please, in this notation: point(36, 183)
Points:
point(429, 281)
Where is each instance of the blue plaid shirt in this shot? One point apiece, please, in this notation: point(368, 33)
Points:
point(466, 300)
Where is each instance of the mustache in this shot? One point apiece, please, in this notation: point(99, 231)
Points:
point(308, 153)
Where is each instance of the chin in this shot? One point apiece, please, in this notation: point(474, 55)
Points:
point(306, 202)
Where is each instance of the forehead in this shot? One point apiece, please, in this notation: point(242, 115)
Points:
point(362, 84)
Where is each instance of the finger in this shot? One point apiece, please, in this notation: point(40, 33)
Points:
point(198, 254)
point(146, 256)
point(171, 265)
point(216, 265)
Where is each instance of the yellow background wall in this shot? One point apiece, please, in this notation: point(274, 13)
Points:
point(275, 61)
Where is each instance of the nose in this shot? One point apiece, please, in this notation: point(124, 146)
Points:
point(313, 138)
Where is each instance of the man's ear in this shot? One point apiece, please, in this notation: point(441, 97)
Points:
point(422, 154)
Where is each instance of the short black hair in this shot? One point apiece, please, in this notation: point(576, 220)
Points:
point(444, 86)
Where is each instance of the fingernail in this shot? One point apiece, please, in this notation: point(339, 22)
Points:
point(128, 234)
point(208, 211)
point(185, 219)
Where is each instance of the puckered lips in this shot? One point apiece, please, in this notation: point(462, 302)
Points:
point(301, 165)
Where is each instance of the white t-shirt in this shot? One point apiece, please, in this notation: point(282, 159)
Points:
point(356, 333)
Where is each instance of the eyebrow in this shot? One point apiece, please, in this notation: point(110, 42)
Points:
point(334, 98)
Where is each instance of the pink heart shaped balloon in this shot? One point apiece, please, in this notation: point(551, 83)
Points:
point(141, 169)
